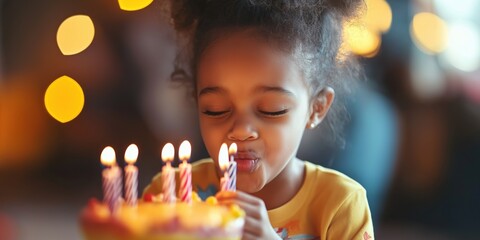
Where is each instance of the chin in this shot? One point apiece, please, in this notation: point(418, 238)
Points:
point(249, 185)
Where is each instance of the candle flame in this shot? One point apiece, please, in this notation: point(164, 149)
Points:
point(131, 154)
point(108, 156)
point(232, 149)
point(223, 157)
point(168, 152)
point(185, 151)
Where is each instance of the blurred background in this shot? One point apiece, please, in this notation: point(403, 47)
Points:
point(76, 76)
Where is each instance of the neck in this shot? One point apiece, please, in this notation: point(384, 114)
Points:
point(289, 182)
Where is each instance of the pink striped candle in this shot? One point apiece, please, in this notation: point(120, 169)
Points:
point(223, 162)
point(131, 175)
point(110, 180)
point(185, 190)
point(168, 174)
point(232, 168)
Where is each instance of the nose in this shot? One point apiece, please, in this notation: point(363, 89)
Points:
point(243, 130)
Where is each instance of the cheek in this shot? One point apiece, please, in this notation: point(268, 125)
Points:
point(213, 137)
point(284, 141)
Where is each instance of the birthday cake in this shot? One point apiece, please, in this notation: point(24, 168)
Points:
point(158, 217)
point(158, 220)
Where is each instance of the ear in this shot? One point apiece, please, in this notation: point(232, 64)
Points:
point(320, 106)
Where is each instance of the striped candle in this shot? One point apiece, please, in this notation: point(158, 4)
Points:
point(223, 162)
point(110, 180)
point(131, 185)
point(117, 179)
point(224, 182)
point(168, 188)
point(131, 175)
point(232, 168)
point(185, 190)
point(168, 174)
point(108, 184)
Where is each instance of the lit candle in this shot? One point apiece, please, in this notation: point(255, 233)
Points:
point(109, 179)
point(223, 162)
point(232, 168)
point(168, 174)
point(131, 175)
point(185, 190)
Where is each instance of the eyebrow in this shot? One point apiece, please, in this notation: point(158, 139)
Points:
point(208, 90)
point(281, 90)
point(262, 89)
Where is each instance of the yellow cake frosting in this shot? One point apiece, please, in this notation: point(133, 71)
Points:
point(156, 220)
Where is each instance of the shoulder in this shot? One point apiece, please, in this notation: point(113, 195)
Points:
point(330, 179)
point(342, 202)
point(332, 188)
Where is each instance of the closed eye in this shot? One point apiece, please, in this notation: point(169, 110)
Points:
point(275, 114)
point(214, 113)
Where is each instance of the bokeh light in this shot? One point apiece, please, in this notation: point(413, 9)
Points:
point(455, 9)
point(363, 37)
point(133, 5)
point(64, 99)
point(378, 16)
point(429, 32)
point(463, 51)
point(24, 132)
point(75, 34)
point(361, 41)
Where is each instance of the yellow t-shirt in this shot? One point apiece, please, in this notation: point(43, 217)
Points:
point(329, 205)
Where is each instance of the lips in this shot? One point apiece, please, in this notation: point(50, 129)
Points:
point(246, 161)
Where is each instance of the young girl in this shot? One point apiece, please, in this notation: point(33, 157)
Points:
point(262, 73)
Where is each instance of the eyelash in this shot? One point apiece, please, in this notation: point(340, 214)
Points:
point(213, 113)
point(220, 113)
point(274, 114)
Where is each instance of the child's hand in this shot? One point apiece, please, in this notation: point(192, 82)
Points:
point(257, 224)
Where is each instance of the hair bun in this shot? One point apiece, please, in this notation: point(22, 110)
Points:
point(184, 13)
point(288, 4)
point(345, 7)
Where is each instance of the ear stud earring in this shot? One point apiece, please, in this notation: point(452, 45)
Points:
point(312, 125)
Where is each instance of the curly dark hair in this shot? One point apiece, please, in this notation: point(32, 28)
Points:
point(310, 30)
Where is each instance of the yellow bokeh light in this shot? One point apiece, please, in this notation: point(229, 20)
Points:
point(378, 16)
point(64, 99)
point(133, 5)
point(429, 32)
point(361, 41)
point(75, 34)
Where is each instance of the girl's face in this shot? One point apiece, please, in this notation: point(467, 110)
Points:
point(251, 93)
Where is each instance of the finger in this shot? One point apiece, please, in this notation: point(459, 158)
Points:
point(245, 197)
point(237, 195)
point(252, 226)
point(241, 197)
point(251, 210)
point(248, 236)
